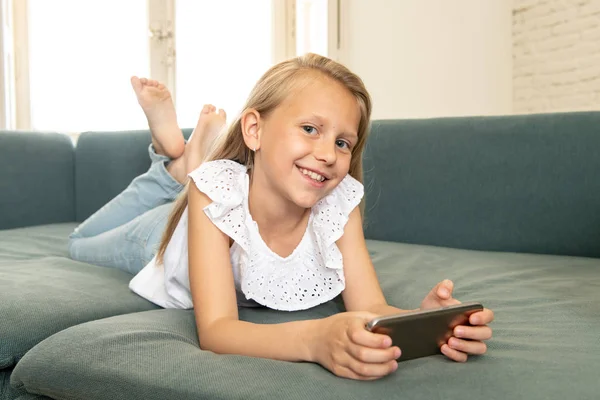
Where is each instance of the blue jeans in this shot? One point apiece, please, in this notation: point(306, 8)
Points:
point(126, 232)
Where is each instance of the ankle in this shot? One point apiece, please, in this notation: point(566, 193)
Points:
point(177, 170)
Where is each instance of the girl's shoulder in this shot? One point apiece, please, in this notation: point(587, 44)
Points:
point(221, 180)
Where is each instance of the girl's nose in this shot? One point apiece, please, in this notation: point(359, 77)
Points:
point(325, 152)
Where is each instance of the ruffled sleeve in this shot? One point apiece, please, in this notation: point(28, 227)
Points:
point(330, 217)
point(223, 181)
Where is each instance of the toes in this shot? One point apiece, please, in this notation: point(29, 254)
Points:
point(152, 82)
point(206, 109)
point(136, 83)
point(213, 108)
point(161, 86)
point(222, 113)
point(144, 81)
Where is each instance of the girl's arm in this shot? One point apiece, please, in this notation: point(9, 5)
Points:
point(339, 343)
point(214, 299)
point(362, 292)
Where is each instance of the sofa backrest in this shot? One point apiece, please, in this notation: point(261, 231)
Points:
point(526, 183)
point(106, 162)
point(36, 179)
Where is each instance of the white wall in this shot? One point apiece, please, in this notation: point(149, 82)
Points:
point(556, 55)
point(429, 58)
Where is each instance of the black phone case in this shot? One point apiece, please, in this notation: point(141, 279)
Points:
point(421, 333)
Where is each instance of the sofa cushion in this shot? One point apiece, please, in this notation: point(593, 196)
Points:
point(37, 175)
point(106, 162)
point(525, 183)
point(545, 343)
point(44, 294)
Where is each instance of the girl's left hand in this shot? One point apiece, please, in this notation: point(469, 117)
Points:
point(465, 339)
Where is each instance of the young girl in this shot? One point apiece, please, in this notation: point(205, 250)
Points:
point(270, 216)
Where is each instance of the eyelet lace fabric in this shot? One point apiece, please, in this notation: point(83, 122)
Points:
point(312, 274)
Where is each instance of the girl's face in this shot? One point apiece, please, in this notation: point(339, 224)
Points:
point(306, 142)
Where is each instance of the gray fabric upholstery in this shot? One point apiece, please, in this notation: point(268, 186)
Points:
point(106, 162)
point(45, 293)
point(519, 183)
point(525, 183)
point(7, 392)
point(36, 179)
point(545, 344)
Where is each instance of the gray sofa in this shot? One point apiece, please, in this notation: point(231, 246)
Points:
point(508, 207)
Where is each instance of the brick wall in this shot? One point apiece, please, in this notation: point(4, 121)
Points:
point(556, 55)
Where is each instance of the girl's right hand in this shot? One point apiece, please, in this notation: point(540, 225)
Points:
point(344, 346)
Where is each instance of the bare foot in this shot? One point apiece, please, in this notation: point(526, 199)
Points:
point(199, 145)
point(155, 100)
point(206, 131)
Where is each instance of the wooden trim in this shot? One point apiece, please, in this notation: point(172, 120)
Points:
point(283, 29)
point(161, 43)
point(21, 54)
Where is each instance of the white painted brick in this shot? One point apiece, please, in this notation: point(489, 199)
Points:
point(593, 60)
point(591, 7)
point(556, 55)
point(573, 101)
point(563, 79)
point(557, 42)
point(521, 4)
point(589, 73)
point(552, 19)
point(592, 34)
point(579, 51)
point(524, 70)
point(542, 81)
point(576, 25)
point(594, 85)
point(553, 66)
point(533, 13)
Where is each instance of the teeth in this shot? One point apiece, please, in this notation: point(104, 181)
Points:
point(313, 175)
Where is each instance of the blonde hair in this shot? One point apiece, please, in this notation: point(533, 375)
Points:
point(268, 93)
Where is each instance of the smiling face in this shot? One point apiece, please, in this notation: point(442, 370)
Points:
point(305, 144)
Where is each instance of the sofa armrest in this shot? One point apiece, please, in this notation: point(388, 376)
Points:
point(36, 179)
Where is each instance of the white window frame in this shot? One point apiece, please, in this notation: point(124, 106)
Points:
point(161, 36)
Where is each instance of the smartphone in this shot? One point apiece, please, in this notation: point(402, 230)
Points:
point(422, 333)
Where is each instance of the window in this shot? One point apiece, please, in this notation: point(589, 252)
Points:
point(81, 55)
point(220, 59)
point(71, 62)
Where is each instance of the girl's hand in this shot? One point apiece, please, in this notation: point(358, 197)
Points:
point(345, 347)
point(466, 339)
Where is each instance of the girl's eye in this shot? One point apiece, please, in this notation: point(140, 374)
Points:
point(309, 129)
point(342, 144)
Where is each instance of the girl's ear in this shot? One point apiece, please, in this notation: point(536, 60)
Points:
point(251, 128)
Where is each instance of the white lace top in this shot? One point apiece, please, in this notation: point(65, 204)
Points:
point(311, 275)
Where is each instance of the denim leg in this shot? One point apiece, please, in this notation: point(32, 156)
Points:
point(147, 191)
point(128, 247)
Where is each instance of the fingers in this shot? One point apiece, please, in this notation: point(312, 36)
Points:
point(453, 354)
point(473, 332)
point(482, 317)
point(467, 346)
point(371, 355)
point(352, 368)
point(362, 337)
point(444, 289)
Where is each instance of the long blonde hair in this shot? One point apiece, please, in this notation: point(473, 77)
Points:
point(268, 93)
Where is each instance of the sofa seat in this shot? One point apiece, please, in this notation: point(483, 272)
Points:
point(43, 291)
point(545, 343)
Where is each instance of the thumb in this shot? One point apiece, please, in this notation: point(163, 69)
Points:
point(444, 289)
point(364, 317)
